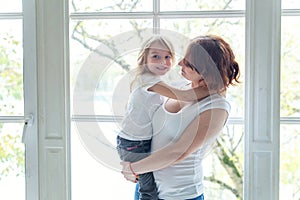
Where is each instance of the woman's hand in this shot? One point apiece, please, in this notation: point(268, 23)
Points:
point(128, 173)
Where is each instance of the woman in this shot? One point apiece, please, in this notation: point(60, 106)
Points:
point(183, 132)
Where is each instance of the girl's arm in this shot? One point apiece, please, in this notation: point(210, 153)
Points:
point(183, 95)
point(201, 129)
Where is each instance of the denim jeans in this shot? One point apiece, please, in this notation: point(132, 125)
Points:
point(136, 194)
point(133, 151)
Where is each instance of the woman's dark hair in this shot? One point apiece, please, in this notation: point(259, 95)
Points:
point(214, 59)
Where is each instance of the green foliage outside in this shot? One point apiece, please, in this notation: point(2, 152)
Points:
point(11, 96)
point(11, 155)
point(11, 90)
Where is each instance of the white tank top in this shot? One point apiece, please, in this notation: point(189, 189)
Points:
point(184, 179)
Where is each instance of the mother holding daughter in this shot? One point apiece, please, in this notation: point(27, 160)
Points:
point(184, 131)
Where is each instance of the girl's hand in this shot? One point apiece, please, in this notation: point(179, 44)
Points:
point(128, 173)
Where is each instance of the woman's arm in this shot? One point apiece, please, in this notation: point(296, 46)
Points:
point(201, 129)
point(183, 95)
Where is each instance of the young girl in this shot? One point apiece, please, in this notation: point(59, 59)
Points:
point(134, 140)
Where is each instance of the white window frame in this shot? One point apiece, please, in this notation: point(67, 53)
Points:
point(46, 66)
point(30, 137)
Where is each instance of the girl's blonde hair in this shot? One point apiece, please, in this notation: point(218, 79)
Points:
point(143, 54)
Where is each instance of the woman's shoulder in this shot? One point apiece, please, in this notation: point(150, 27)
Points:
point(213, 101)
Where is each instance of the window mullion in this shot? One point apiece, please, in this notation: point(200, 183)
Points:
point(156, 12)
point(11, 15)
point(291, 12)
point(110, 15)
point(262, 113)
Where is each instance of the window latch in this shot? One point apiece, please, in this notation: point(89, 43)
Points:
point(28, 122)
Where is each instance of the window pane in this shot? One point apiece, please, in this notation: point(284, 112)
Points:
point(12, 177)
point(103, 63)
point(11, 69)
point(110, 5)
point(10, 6)
point(202, 5)
point(289, 162)
point(290, 4)
point(91, 179)
point(224, 167)
point(290, 70)
point(232, 29)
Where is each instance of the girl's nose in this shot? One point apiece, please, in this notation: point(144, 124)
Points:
point(163, 61)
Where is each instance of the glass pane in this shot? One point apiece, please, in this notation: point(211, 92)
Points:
point(289, 162)
point(110, 5)
point(290, 4)
point(10, 6)
point(290, 72)
point(11, 69)
point(201, 5)
point(224, 167)
point(12, 177)
point(92, 179)
point(102, 52)
point(232, 30)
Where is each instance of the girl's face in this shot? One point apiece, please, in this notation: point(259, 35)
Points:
point(189, 72)
point(159, 60)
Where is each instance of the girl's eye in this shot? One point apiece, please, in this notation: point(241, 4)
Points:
point(168, 57)
point(155, 56)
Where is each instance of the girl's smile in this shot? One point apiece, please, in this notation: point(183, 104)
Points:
point(159, 60)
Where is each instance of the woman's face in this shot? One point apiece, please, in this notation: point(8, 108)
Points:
point(188, 72)
point(159, 60)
